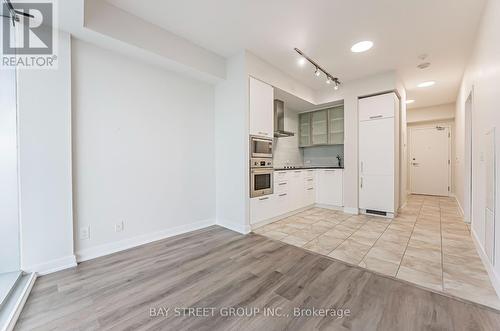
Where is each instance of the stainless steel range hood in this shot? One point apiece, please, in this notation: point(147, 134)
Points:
point(279, 120)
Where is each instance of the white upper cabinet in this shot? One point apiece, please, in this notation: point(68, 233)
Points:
point(377, 107)
point(261, 108)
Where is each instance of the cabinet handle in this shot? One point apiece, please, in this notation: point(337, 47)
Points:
point(376, 116)
point(263, 133)
point(361, 182)
point(312, 188)
point(266, 198)
point(310, 180)
point(361, 166)
point(282, 172)
point(297, 171)
point(282, 195)
point(281, 183)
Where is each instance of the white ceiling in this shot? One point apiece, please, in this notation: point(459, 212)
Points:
point(325, 30)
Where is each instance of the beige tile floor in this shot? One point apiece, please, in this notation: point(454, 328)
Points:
point(427, 244)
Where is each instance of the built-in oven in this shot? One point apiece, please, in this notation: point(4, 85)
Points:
point(261, 182)
point(261, 147)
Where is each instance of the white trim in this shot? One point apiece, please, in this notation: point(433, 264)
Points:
point(240, 228)
point(494, 278)
point(461, 210)
point(18, 307)
point(331, 207)
point(351, 210)
point(280, 217)
point(117, 246)
point(53, 265)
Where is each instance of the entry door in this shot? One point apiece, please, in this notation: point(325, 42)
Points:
point(430, 160)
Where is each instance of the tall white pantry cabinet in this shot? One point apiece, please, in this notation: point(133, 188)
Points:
point(379, 154)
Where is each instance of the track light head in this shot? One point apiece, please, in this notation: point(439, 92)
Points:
point(317, 72)
point(329, 80)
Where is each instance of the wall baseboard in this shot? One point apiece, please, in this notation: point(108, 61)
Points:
point(280, 217)
point(331, 207)
point(461, 209)
point(106, 249)
point(351, 210)
point(495, 279)
point(240, 228)
point(52, 266)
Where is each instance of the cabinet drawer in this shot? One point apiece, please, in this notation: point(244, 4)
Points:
point(280, 176)
point(309, 182)
point(262, 208)
point(281, 187)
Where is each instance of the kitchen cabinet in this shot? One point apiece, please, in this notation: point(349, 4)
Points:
point(319, 127)
point(329, 187)
point(377, 107)
point(304, 129)
point(309, 192)
point(263, 208)
point(261, 100)
point(336, 126)
point(379, 153)
point(322, 127)
point(296, 189)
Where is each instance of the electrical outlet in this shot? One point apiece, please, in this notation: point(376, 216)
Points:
point(85, 232)
point(119, 227)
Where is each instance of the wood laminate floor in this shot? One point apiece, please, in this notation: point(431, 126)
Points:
point(215, 269)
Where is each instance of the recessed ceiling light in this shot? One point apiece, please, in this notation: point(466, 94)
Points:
point(362, 46)
point(301, 61)
point(410, 101)
point(426, 84)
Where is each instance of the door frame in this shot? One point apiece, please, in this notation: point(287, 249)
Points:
point(410, 147)
point(468, 155)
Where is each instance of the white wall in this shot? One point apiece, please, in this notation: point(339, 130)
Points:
point(9, 215)
point(483, 76)
point(286, 149)
point(143, 151)
point(231, 147)
point(433, 113)
point(44, 106)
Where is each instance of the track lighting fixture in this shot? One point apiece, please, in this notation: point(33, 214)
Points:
point(318, 69)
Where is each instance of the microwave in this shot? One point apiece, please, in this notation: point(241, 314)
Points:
point(261, 147)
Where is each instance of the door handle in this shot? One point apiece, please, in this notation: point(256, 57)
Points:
point(376, 116)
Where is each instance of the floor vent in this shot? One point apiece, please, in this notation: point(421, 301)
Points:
point(376, 212)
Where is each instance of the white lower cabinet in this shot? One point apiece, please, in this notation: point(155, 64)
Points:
point(330, 187)
point(296, 189)
point(262, 208)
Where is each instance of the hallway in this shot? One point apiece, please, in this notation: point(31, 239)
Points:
point(427, 244)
